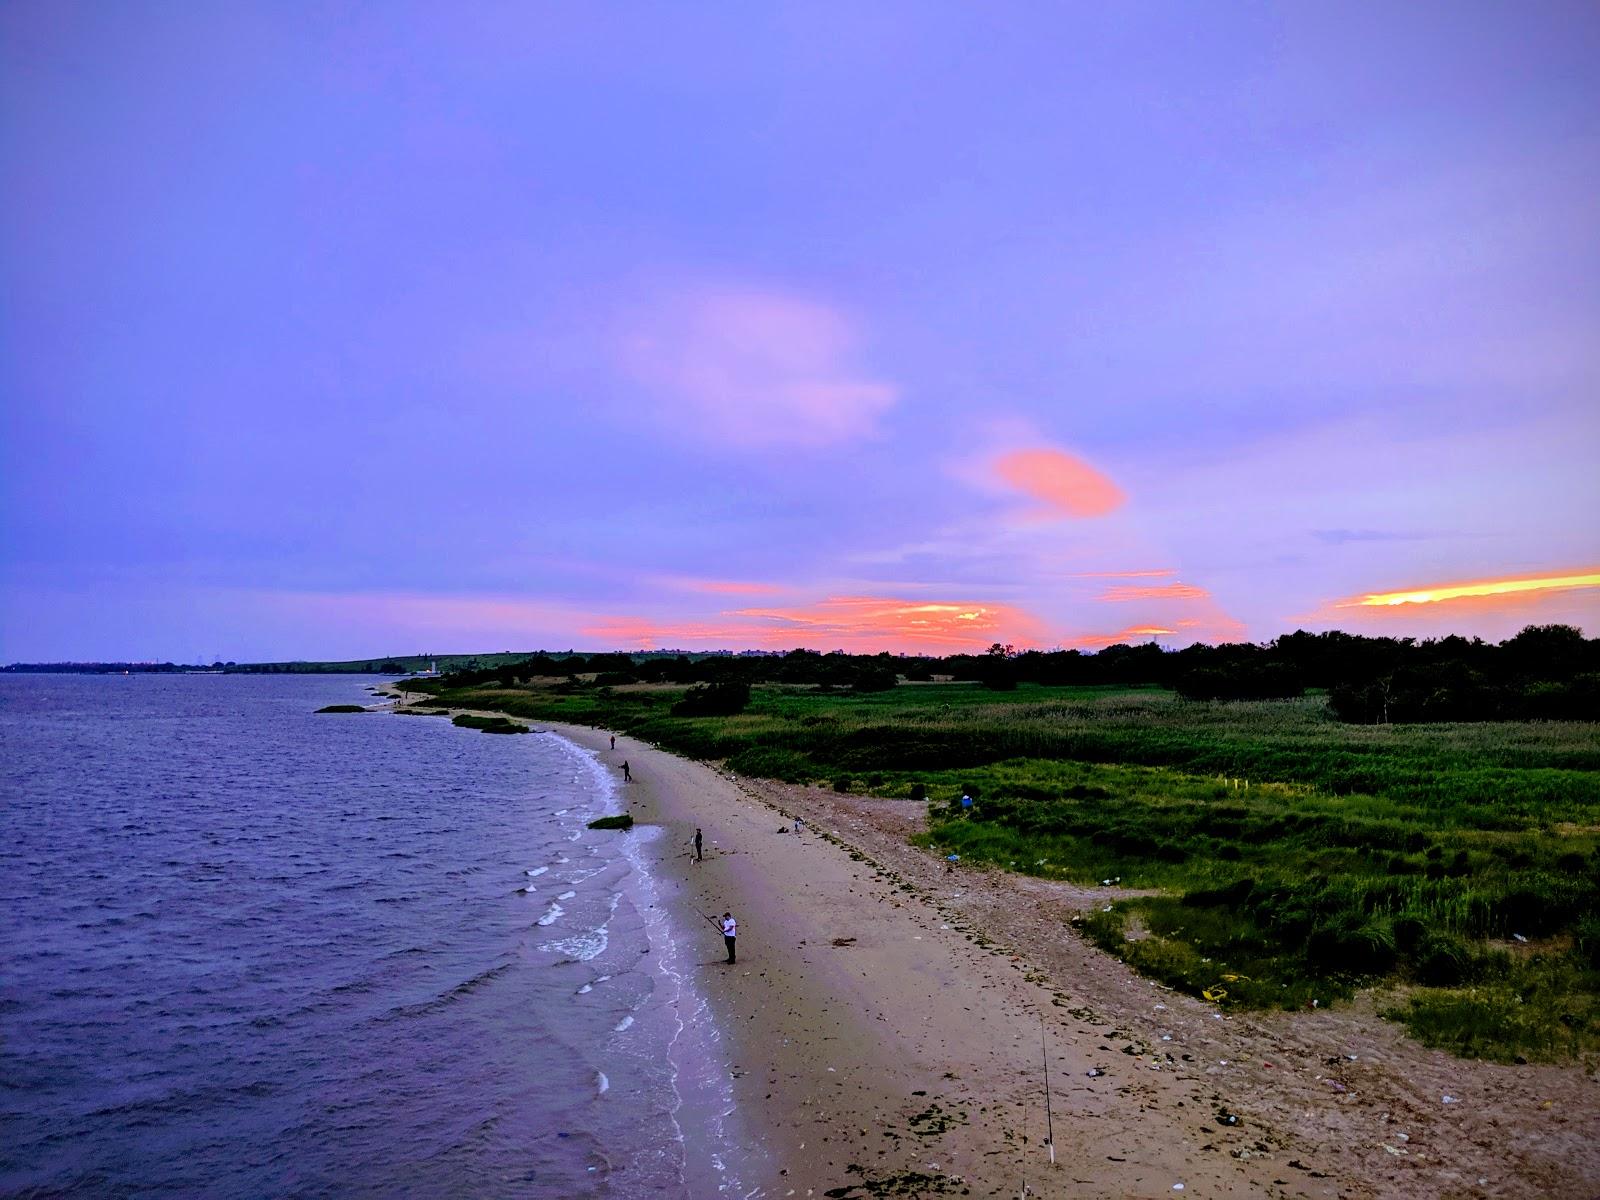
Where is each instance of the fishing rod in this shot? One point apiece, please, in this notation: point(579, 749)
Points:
point(1049, 1121)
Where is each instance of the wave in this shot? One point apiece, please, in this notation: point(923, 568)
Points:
point(447, 998)
point(550, 916)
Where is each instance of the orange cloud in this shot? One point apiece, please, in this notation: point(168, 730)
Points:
point(858, 623)
point(1171, 591)
point(1062, 481)
point(757, 368)
point(1487, 588)
point(1489, 608)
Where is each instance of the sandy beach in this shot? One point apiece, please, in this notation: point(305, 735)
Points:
point(890, 1015)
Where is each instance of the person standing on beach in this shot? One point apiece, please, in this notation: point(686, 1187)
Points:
point(613, 741)
point(730, 931)
point(699, 854)
point(627, 775)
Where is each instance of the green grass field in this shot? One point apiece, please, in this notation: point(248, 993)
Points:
point(1298, 858)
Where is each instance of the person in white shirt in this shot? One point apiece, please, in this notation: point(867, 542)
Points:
point(730, 931)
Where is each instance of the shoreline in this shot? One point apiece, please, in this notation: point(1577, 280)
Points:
point(910, 1055)
point(932, 1024)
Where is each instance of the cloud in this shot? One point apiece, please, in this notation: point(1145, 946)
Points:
point(858, 623)
point(1170, 591)
point(1064, 482)
point(1486, 588)
point(754, 368)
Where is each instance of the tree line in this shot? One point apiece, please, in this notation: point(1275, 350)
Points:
point(1544, 672)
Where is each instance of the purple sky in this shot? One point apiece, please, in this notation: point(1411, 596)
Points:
point(337, 330)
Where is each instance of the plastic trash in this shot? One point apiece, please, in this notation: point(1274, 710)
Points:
point(1449, 1100)
point(952, 858)
point(1519, 937)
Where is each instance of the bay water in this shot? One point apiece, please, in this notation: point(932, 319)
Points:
point(251, 950)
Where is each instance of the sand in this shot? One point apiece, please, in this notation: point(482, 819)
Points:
point(908, 1060)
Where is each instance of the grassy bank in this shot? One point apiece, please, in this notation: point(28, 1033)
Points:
point(1298, 858)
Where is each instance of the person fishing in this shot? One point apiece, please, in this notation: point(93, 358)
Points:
point(627, 775)
point(699, 854)
point(730, 932)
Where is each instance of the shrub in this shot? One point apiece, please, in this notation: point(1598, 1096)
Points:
point(919, 791)
point(874, 679)
point(1442, 960)
point(842, 783)
point(1348, 948)
point(488, 724)
point(723, 699)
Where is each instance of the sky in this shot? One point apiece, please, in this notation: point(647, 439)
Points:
point(335, 330)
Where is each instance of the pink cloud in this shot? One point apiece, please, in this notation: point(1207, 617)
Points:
point(757, 368)
point(1170, 591)
point(1063, 481)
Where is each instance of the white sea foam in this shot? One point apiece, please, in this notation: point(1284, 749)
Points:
point(550, 916)
point(580, 946)
point(603, 1083)
point(623, 1024)
point(566, 895)
point(535, 872)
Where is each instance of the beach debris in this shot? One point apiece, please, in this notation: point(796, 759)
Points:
point(1177, 1187)
point(1224, 1117)
point(1094, 1072)
point(952, 858)
point(1450, 1100)
point(1215, 994)
point(1519, 937)
point(844, 941)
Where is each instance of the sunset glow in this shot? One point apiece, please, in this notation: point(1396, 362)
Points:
point(1459, 591)
point(591, 327)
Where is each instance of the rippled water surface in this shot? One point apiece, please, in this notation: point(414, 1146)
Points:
point(250, 950)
